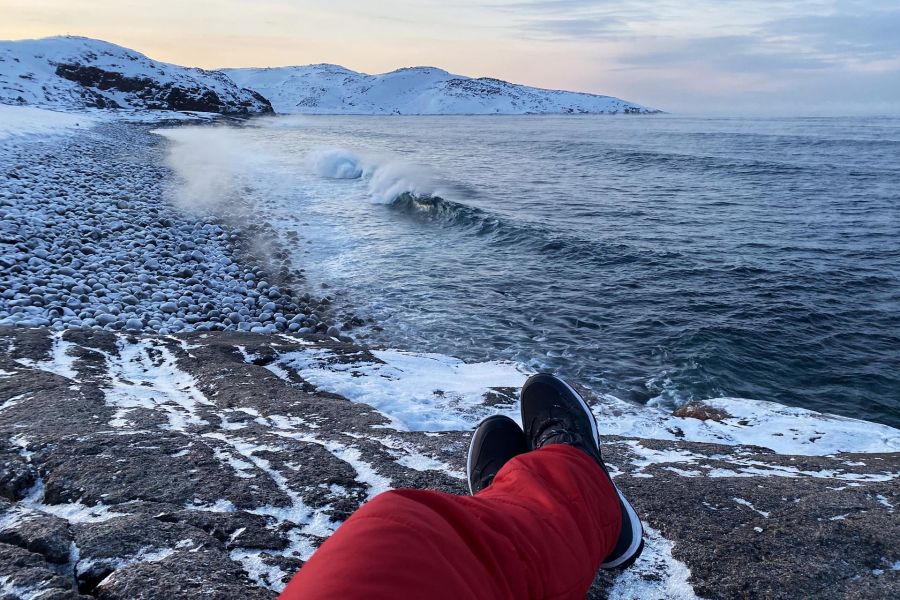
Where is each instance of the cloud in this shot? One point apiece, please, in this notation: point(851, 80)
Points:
point(582, 29)
point(571, 20)
point(734, 53)
point(874, 35)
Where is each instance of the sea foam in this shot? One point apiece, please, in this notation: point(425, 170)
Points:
point(335, 163)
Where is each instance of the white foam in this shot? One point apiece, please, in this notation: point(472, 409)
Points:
point(391, 179)
point(335, 163)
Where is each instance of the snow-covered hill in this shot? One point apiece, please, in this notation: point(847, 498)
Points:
point(71, 72)
point(75, 72)
point(332, 89)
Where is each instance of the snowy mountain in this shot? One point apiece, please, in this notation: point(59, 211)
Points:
point(71, 72)
point(75, 72)
point(332, 89)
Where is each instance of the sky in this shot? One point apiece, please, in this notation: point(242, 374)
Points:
point(791, 57)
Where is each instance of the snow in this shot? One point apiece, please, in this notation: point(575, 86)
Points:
point(146, 375)
point(748, 504)
point(745, 465)
point(655, 574)
point(331, 89)
point(73, 512)
point(298, 513)
point(18, 121)
point(424, 392)
point(60, 361)
point(783, 429)
point(143, 555)
point(31, 73)
point(10, 590)
point(262, 574)
point(365, 472)
point(433, 392)
point(407, 455)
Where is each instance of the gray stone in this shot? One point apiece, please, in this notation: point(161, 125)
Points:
point(44, 534)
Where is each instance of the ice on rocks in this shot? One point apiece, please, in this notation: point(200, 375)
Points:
point(656, 574)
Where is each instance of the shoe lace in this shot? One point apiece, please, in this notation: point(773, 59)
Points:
point(554, 431)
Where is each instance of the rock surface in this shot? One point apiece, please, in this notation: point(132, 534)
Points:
point(176, 461)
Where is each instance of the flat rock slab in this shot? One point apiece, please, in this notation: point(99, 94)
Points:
point(166, 466)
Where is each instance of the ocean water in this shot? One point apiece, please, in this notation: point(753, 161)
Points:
point(660, 259)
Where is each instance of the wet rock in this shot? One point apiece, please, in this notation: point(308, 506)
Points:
point(28, 574)
point(108, 546)
point(47, 535)
point(109, 468)
point(701, 411)
point(16, 474)
point(234, 529)
point(175, 577)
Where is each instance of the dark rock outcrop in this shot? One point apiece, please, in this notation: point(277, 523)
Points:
point(72, 72)
point(228, 480)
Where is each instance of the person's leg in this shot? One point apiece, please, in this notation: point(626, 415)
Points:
point(540, 530)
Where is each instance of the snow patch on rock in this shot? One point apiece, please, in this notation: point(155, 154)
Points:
point(655, 574)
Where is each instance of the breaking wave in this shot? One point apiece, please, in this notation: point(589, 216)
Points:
point(335, 163)
point(416, 192)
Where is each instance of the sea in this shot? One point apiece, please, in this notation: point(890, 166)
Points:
point(662, 259)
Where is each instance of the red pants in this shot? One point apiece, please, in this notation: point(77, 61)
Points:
point(540, 530)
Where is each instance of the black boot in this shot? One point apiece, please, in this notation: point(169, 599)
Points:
point(496, 440)
point(554, 413)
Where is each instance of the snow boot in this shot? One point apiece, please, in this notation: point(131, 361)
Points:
point(496, 440)
point(554, 413)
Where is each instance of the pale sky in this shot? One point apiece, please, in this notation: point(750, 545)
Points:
point(698, 56)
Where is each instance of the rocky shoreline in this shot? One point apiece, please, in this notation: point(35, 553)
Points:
point(167, 424)
point(87, 240)
point(139, 466)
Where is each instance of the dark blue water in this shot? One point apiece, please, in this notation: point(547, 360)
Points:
point(655, 258)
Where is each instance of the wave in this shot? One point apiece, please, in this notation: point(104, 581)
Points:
point(416, 191)
point(335, 163)
point(394, 180)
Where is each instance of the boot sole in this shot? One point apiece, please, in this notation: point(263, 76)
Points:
point(636, 546)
